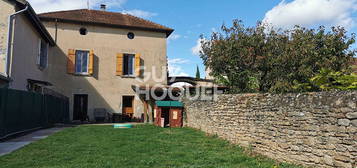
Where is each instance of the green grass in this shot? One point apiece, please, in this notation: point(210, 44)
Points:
point(143, 146)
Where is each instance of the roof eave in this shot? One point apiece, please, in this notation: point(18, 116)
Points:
point(32, 16)
point(39, 26)
point(168, 32)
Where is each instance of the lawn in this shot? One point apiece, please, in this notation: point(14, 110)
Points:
point(143, 146)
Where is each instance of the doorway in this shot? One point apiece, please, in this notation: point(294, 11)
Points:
point(128, 108)
point(80, 107)
point(165, 114)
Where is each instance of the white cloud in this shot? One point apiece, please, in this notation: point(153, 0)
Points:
point(181, 84)
point(178, 61)
point(312, 13)
point(173, 37)
point(140, 13)
point(213, 29)
point(197, 48)
point(175, 67)
point(41, 6)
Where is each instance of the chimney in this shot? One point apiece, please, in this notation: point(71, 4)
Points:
point(103, 7)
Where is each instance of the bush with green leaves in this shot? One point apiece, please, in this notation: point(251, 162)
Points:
point(328, 80)
point(262, 59)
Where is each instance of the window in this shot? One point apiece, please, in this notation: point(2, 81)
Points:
point(129, 64)
point(83, 31)
point(131, 35)
point(42, 55)
point(81, 63)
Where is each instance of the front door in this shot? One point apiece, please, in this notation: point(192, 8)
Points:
point(128, 107)
point(80, 107)
point(175, 118)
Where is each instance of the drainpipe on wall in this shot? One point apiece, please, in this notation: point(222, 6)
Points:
point(10, 40)
point(56, 25)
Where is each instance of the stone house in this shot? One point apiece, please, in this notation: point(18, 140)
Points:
point(95, 57)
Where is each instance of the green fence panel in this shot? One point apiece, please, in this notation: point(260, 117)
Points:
point(2, 111)
point(21, 110)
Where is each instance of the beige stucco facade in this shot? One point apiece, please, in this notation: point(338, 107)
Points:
point(7, 9)
point(104, 88)
point(25, 52)
point(24, 48)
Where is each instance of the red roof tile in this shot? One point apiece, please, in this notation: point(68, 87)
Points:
point(106, 19)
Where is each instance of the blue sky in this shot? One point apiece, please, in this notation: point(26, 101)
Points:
point(192, 18)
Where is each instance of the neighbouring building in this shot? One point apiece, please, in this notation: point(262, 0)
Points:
point(101, 55)
point(208, 74)
point(93, 57)
point(24, 45)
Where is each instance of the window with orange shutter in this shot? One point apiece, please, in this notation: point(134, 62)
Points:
point(80, 62)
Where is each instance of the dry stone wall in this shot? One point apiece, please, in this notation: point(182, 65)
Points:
point(311, 129)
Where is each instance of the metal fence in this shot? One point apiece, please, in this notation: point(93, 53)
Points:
point(21, 111)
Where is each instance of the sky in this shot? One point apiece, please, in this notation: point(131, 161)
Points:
point(192, 18)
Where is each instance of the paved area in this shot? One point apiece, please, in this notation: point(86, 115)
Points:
point(17, 143)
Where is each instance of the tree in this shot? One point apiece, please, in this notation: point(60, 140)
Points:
point(328, 80)
point(198, 75)
point(251, 59)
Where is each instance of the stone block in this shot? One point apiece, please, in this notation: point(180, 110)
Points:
point(354, 123)
point(344, 122)
point(328, 160)
point(351, 115)
point(352, 104)
point(342, 164)
point(342, 158)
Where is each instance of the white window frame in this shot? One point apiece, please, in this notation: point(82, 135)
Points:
point(133, 66)
point(39, 55)
point(75, 62)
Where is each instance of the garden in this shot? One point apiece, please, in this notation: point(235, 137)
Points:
point(142, 146)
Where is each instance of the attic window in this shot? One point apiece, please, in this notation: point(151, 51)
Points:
point(83, 31)
point(131, 35)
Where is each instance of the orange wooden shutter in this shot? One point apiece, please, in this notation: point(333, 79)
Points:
point(71, 59)
point(90, 64)
point(137, 64)
point(119, 64)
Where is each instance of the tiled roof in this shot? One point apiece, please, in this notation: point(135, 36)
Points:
point(106, 19)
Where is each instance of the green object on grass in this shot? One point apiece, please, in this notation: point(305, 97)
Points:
point(169, 104)
point(123, 125)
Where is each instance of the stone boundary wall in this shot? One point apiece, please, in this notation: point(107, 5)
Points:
point(311, 129)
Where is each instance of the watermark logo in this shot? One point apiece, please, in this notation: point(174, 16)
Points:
point(153, 85)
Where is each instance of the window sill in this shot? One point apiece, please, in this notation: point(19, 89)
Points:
point(84, 74)
point(41, 68)
point(128, 76)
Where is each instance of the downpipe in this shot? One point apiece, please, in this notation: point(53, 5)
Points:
point(10, 40)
